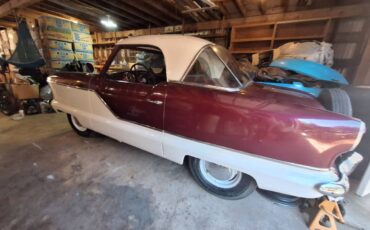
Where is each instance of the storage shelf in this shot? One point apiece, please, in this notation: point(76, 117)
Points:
point(299, 37)
point(104, 44)
point(210, 36)
point(249, 51)
point(252, 39)
point(260, 37)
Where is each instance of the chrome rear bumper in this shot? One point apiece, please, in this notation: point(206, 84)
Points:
point(345, 168)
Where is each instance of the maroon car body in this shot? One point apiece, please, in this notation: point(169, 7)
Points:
point(266, 121)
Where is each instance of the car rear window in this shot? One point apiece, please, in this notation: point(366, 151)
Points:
point(208, 69)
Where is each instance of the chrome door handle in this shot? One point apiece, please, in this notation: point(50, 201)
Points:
point(155, 102)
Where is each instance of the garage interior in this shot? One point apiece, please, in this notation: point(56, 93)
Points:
point(51, 178)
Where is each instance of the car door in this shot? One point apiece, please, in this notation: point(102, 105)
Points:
point(138, 103)
point(127, 109)
point(129, 112)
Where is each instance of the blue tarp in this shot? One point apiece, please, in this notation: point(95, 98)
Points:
point(26, 54)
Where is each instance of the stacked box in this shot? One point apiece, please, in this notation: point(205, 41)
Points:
point(65, 41)
point(78, 27)
point(82, 42)
point(56, 28)
point(61, 55)
point(83, 47)
point(85, 57)
point(60, 45)
point(57, 39)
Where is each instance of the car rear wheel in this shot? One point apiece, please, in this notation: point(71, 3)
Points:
point(77, 127)
point(336, 100)
point(221, 181)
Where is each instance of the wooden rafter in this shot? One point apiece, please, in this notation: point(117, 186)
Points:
point(121, 18)
point(5, 23)
point(11, 5)
point(166, 9)
point(239, 5)
point(146, 13)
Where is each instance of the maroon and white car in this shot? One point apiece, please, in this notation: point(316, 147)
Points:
point(186, 99)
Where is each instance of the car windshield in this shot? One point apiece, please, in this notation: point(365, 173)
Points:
point(242, 74)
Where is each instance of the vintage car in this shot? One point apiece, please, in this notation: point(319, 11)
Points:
point(186, 99)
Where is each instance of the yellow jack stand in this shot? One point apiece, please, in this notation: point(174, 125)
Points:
point(331, 210)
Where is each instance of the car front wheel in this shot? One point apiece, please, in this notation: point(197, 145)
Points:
point(77, 127)
point(221, 181)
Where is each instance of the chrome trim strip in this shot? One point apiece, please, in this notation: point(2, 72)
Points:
point(360, 134)
point(69, 86)
point(206, 86)
point(215, 145)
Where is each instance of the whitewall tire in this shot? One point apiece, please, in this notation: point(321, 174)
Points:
point(77, 127)
point(221, 181)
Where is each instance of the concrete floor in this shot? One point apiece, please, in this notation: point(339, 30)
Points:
point(50, 178)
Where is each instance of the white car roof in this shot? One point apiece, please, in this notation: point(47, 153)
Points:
point(178, 50)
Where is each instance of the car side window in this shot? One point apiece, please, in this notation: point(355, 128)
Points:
point(208, 69)
point(138, 64)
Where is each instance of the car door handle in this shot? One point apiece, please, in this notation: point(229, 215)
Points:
point(155, 102)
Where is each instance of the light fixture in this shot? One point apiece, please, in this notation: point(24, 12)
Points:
point(107, 22)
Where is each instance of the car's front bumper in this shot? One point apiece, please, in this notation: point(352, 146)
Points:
point(345, 168)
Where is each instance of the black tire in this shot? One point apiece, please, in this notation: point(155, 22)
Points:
point(83, 133)
point(8, 104)
point(243, 188)
point(336, 100)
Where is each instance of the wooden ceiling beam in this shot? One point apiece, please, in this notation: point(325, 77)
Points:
point(240, 7)
point(165, 9)
point(142, 12)
point(115, 15)
point(5, 23)
point(97, 11)
point(197, 13)
point(222, 8)
point(7, 7)
point(332, 12)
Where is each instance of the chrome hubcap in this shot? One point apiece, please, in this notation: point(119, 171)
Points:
point(218, 175)
point(77, 124)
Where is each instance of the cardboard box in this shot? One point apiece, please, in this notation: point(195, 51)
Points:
point(61, 55)
point(53, 44)
point(55, 22)
point(81, 37)
point(83, 47)
point(82, 28)
point(25, 91)
point(56, 34)
point(82, 56)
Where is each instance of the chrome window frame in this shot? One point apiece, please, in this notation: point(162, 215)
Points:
point(228, 89)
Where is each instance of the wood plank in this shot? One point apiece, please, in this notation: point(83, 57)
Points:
point(11, 5)
point(346, 37)
point(5, 23)
point(362, 75)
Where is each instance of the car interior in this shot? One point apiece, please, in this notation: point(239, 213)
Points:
point(138, 65)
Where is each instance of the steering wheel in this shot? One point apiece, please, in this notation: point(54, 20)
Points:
point(148, 77)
